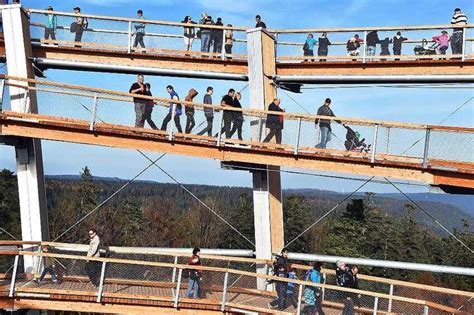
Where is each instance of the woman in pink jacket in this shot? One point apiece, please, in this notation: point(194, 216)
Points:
point(443, 42)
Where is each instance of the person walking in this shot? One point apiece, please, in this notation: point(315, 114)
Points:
point(149, 105)
point(313, 294)
point(93, 267)
point(259, 22)
point(205, 32)
point(139, 88)
point(175, 109)
point(208, 112)
point(217, 35)
point(139, 30)
point(397, 40)
point(195, 275)
point(458, 19)
point(323, 46)
point(189, 111)
point(325, 124)
point(308, 47)
point(79, 26)
point(50, 266)
point(189, 33)
point(372, 41)
point(238, 118)
point(227, 101)
point(281, 288)
point(229, 40)
point(290, 289)
point(50, 25)
point(274, 121)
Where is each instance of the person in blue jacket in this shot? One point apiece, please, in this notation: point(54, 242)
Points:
point(312, 294)
point(308, 48)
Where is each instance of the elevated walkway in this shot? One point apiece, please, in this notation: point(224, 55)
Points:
point(435, 155)
point(154, 284)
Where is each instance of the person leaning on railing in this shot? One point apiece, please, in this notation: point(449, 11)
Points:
point(80, 25)
point(458, 19)
point(397, 40)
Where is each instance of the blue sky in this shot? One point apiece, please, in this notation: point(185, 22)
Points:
point(400, 104)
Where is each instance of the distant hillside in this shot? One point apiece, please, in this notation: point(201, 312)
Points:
point(451, 210)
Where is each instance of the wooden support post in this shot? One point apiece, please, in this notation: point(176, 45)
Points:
point(268, 212)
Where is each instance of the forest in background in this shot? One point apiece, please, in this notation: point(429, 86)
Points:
point(164, 215)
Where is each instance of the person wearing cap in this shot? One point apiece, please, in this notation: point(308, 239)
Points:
point(459, 19)
point(139, 30)
point(325, 124)
point(50, 25)
point(443, 42)
point(80, 24)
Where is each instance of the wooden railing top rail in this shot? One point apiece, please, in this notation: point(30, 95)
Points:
point(227, 270)
point(145, 21)
point(150, 251)
point(277, 31)
point(249, 112)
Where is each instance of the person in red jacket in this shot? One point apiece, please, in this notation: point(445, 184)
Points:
point(194, 275)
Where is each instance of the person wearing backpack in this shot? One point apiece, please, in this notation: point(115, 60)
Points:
point(176, 107)
point(344, 278)
point(290, 289)
point(308, 47)
point(313, 295)
point(194, 275)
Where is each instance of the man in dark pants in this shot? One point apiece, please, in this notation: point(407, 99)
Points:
point(458, 19)
point(208, 112)
point(228, 101)
point(82, 24)
point(140, 103)
point(274, 122)
point(280, 269)
point(139, 30)
point(93, 267)
point(176, 107)
point(217, 37)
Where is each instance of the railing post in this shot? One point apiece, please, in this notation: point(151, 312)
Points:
point(276, 45)
point(387, 140)
point(364, 53)
point(224, 291)
point(94, 113)
point(260, 129)
point(2, 90)
point(300, 295)
point(129, 48)
point(298, 131)
point(219, 132)
point(25, 102)
point(101, 283)
point(426, 310)
point(15, 269)
point(173, 114)
point(390, 299)
point(178, 286)
point(463, 48)
point(376, 305)
point(324, 289)
point(374, 144)
point(427, 148)
point(174, 269)
point(223, 44)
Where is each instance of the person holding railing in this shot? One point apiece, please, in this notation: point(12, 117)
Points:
point(140, 103)
point(189, 33)
point(308, 47)
point(208, 112)
point(194, 283)
point(325, 124)
point(458, 19)
point(443, 42)
point(274, 122)
point(372, 41)
point(323, 46)
point(174, 107)
point(189, 111)
point(79, 26)
point(216, 37)
point(50, 25)
point(139, 30)
point(397, 40)
point(50, 267)
point(353, 45)
point(205, 33)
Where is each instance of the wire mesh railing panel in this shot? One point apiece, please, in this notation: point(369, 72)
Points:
point(451, 146)
point(64, 105)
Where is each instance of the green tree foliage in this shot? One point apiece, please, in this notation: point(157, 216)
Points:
point(9, 205)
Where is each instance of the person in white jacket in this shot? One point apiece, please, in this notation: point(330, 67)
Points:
point(93, 267)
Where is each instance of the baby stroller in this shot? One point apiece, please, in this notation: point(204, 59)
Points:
point(353, 143)
point(426, 48)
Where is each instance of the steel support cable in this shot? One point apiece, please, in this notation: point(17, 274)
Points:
point(383, 182)
point(441, 122)
point(329, 212)
point(109, 198)
point(198, 199)
point(9, 234)
point(431, 217)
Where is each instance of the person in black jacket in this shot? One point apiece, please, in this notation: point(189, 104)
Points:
point(397, 44)
point(217, 37)
point(274, 121)
point(323, 46)
point(372, 41)
point(325, 124)
point(238, 117)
